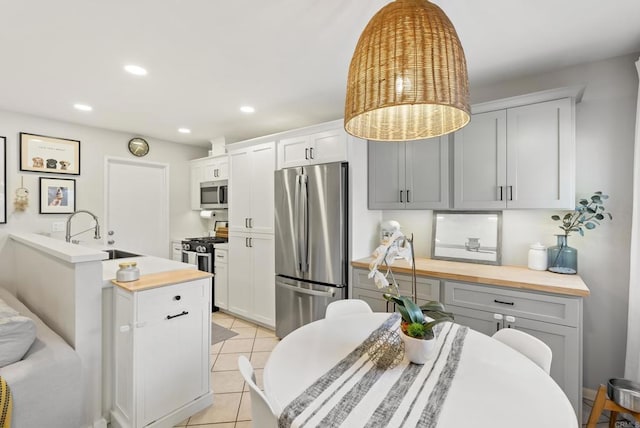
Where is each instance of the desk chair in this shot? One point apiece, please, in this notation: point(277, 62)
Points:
point(347, 307)
point(531, 347)
point(262, 413)
point(602, 402)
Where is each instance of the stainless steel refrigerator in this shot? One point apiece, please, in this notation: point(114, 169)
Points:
point(310, 242)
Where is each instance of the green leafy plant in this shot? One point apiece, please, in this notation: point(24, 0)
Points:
point(418, 321)
point(587, 215)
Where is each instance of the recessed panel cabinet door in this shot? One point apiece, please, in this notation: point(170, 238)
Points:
point(240, 275)
point(386, 175)
point(540, 153)
point(262, 167)
point(480, 150)
point(427, 173)
point(239, 190)
point(264, 288)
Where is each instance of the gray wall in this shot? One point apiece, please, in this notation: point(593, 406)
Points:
point(605, 124)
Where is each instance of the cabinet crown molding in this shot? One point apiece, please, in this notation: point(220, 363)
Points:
point(574, 92)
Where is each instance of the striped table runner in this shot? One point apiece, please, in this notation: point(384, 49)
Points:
point(355, 393)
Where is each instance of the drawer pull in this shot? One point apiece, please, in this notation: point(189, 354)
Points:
point(176, 316)
point(177, 298)
point(503, 303)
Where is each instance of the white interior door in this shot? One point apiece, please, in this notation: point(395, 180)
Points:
point(137, 206)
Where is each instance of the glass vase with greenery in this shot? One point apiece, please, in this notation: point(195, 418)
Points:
point(586, 216)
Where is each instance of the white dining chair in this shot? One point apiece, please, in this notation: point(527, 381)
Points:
point(531, 347)
point(347, 307)
point(262, 413)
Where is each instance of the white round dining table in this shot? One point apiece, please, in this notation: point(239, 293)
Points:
point(493, 387)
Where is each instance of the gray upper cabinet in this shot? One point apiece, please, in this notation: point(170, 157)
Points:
point(519, 157)
point(409, 175)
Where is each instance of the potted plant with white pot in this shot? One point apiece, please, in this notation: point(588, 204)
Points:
point(417, 325)
point(417, 321)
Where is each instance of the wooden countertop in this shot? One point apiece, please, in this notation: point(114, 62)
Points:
point(505, 276)
point(161, 279)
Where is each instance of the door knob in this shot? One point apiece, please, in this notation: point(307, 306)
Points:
point(111, 242)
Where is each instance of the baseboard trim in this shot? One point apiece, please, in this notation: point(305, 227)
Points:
point(589, 394)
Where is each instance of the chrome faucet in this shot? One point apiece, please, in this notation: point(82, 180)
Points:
point(96, 228)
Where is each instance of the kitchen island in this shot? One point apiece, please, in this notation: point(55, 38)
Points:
point(161, 321)
point(488, 298)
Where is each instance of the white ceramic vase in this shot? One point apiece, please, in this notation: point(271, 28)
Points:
point(418, 351)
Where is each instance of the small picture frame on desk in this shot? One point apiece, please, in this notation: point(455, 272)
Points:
point(467, 236)
point(57, 195)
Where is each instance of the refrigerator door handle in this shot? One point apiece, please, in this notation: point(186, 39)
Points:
point(296, 225)
point(304, 199)
point(329, 293)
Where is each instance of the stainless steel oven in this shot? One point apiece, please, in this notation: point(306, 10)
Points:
point(214, 194)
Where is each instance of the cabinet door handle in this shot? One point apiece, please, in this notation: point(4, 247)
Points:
point(510, 193)
point(503, 302)
point(251, 242)
point(306, 153)
point(250, 222)
point(408, 200)
point(500, 193)
point(246, 242)
point(401, 195)
point(498, 318)
point(183, 313)
point(311, 152)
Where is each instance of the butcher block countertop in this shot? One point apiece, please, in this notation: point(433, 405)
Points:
point(161, 279)
point(505, 276)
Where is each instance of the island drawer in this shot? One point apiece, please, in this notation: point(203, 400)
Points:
point(162, 302)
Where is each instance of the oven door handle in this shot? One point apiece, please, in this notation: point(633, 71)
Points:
point(329, 293)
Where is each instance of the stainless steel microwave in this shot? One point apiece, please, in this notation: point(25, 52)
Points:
point(214, 194)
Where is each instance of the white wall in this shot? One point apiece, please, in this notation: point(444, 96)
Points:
point(95, 145)
point(605, 121)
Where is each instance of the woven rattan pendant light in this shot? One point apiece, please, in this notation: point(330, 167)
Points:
point(408, 76)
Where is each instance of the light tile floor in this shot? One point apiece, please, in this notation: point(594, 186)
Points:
point(231, 400)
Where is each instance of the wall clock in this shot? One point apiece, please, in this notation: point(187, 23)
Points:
point(138, 146)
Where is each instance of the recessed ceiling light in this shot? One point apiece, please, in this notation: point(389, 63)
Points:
point(82, 107)
point(184, 130)
point(135, 69)
point(247, 109)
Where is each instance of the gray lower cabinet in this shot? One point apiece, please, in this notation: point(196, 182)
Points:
point(365, 289)
point(556, 320)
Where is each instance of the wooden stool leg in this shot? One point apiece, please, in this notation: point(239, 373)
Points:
point(614, 418)
point(598, 405)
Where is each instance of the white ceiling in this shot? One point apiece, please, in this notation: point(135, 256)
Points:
point(287, 58)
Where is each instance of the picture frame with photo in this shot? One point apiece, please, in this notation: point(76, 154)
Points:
point(3, 180)
point(57, 195)
point(467, 236)
point(49, 155)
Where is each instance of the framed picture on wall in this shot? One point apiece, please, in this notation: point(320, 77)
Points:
point(467, 236)
point(3, 180)
point(43, 154)
point(57, 195)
